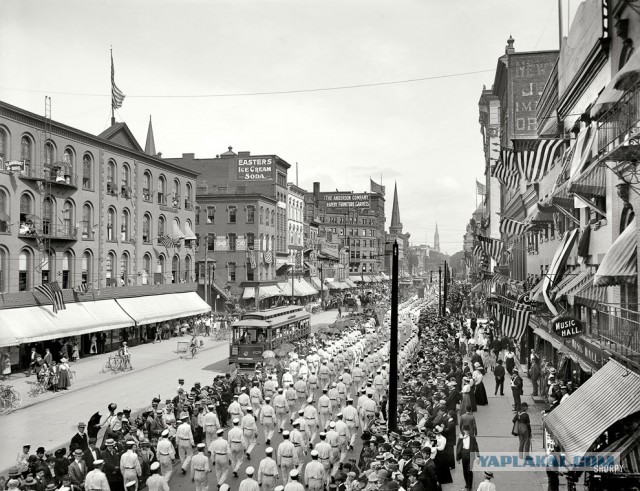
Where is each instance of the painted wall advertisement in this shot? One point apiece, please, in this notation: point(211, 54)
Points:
point(256, 169)
point(345, 200)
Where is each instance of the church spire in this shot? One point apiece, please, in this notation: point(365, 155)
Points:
point(150, 146)
point(396, 224)
point(436, 240)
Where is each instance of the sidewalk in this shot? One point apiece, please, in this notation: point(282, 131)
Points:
point(494, 435)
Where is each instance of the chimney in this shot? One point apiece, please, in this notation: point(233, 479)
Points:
point(509, 48)
point(316, 191)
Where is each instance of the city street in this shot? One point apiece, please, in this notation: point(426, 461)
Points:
point(50, 420)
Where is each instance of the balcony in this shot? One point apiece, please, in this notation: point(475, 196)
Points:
point(47, 231)
point(618, 330)
point(620, 127)
point(60, 175)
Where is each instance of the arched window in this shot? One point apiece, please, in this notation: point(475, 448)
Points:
point(187, 268)
point(26, 154)
point(87, 267)
point(87, 220)
point(49, 153)
point(111, 178)
point(175, 198)
point(111, 261)
point(67, 219)
point(162, 190)
point(273, 218)
point(251, 214)
point(146, 186)
point(48, 214)
point(25, 266)
point(48, 272)
point(175, 269)
point(124, 225)
point(161, 226)
point(124, 269)
point(188, 198)
point(159, 276)
point(4, 149)
point(267, 218)
point(87, 171)
point(232, 211)
point(69, 158)
point(26, 214)
point(125, 183)
point(5, 212)
point(146, 268)
point(67, 269)
point(111, 224)
point(4, 270)
point(197, 215)
point(146, 228)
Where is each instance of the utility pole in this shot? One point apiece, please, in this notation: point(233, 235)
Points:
point(440, 290)
point(393, 348)
point(207, 293)
point(293, 274)
point(321, 287)
point(446, 288)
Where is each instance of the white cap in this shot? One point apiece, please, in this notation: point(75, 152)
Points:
point(250, 470)
point(294, 473)
point(236, 421)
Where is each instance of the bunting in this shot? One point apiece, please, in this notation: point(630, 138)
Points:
point(492, 247)
point(251, 258)
point(506, 170)
point(512, 227)
point(268, 257)
point(53, 293)
point(535, 156)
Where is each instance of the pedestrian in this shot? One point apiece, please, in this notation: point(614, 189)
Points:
point(534, 374)
point(465, 447)
point(522, 425)
point(509, 360)
point(200, 469)
point(516, 389)
point(184, 439)
point(487, 484)
point(268, 471)
point(498, 374)
point(249, 484)
point(96, 479)
point(468, 419)
point(125, 354)
point(5, 364)
point(156, 482)
point(63, 374)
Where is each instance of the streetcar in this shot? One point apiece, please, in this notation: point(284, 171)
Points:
point(256, 332)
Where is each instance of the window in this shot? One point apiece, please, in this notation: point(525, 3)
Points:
point(111, 223)
point(267, 218)
point(124, 269)
point(146, 186)
point(187, 268)
point(251, 214)
point(49, 154)
point(124, 226)
point(231, 269)
point(162, 191)
point(48, 266)
point(67, 274)
point(175, 269)
point(26, 153)
point(87, 221)
point(211, 214)
point(111, 176)
point(232, 239)
point(232, 213)
point(261, 215)
point(161, 226)
point(125, 183)
point(146, 228)
point(111, 259)
point(188, 197)
point(146, 269)
point(3, 149)
point(4, 270)
point(251, 239)
point(159, 275)
point(69, 158)
point(176, 194)
point(197, 215)
point(24, 270)
point(87, 267)
point(4, 211)
point(87, 172)
point(48, 213)
point(67, 219)
point(26, 210)
point(273, 218)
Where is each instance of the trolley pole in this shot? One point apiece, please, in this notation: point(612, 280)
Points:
point(393, 348)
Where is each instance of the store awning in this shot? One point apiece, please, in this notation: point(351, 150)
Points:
point(620, 265)
point(350, 283)
point(333, 284)
point(306, 288)
point(613, 92)
point(591, 296)
point(477, 288)
point(610, 395)
point(629, 448)
point(315, 282)
point(269, 291)
point(554, 275)
point(188, 232)
point(384, 276)
point(158, 308)
point(575, 283)
point(33, 324)
point(248, 292)
point(298, 290)
point(343, 285)
point(547, 336)
point(592, 182)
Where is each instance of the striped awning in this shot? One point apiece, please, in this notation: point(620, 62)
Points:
point(590, 296)
point(575, 283)
point(592, 182)
point(350, 282)
point(610, 395)
point(620, 264)
point(333, 284)
point(177, 233)
point(535, 294)
point(315, 282)
point(561, 197)
point(477, 288)
point(554, 275)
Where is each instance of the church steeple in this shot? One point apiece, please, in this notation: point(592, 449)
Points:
point(436, 240)
point(150, 146)
point(396, 225)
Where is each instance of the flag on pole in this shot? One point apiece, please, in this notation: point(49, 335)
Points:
point(116, 94)
point(53, 293)
point(481, 189)
point(536, 156)
point(166, 241)
point(376, 188)
point(493, 247)
point(82, 288)
point(512, 227)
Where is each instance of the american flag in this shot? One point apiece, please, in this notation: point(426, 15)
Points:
point(268, 257)
point(493, 247)
point(376, 188)
point(82, 288)
point(251, 258)
point(535, 156)
point(514, 322)
point(167, 241)
point(512, 227)
point(53, 293)
point(116, 94)
point(481, 189)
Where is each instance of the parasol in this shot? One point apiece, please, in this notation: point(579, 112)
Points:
point(287, 347)
point(268, 354)
point(271, 362)
point(280, 352)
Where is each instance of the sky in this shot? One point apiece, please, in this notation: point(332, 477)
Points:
point(196, 66)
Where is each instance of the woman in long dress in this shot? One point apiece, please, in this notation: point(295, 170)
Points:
point(466, 395)
point(480, 391)
point(53, 376)
point(5, 364)
point(441, 458)
point(63, 374)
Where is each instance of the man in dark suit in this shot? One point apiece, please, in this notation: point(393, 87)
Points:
point(414, 484)
point(498, 373)
point(78, 469)
point(80, 440)
point(516, 389)
point(454, 396)
point(33, 362)
point(468, 419)
point(465, 447)
point(428, 477)
point(111, 458)
point(92, 453)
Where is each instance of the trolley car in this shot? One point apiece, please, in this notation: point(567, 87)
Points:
point(256, 332)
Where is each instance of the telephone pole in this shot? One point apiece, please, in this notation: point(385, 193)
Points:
point(393, 348)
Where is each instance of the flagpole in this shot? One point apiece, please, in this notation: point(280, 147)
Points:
point(113, 116)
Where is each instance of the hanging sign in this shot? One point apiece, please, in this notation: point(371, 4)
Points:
point(567, 326)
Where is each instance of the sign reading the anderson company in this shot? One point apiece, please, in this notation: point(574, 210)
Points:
point(255, 169)
point(346, 200)
point(567, 327)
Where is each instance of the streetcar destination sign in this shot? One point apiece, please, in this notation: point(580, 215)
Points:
point(567, 327)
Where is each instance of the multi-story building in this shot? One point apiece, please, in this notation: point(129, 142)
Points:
point(295, 224)
point(89, 212)
point(248, 194)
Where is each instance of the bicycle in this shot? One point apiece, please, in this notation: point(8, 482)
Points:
point(114, 364)
point(72, 376)
point(10, 399)
point(39, 387)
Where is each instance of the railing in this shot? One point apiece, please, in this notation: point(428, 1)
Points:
point(60, 177)
point(619, 330)
point(620, 122)
point(49, 231)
